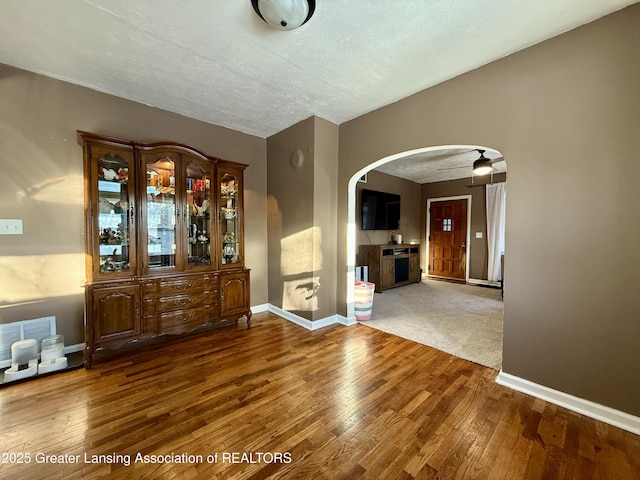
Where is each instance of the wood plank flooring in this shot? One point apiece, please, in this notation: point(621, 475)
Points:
point(278, 401)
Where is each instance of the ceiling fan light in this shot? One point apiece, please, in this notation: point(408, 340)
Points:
point(482, 166)
point(284, 14)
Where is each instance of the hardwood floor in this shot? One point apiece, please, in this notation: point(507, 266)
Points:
point(336, 403)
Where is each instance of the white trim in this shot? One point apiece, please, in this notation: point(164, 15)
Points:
point(605, 414)
point(309, 324)
point(347, 322)
point(292, 317)
point(78, 347)
point(260, 308)
point(468, 240)
point(486, 283)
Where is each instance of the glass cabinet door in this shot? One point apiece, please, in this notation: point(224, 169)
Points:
point(161, 212)
point(230, 218)
point(113, 220)
point(198, 215)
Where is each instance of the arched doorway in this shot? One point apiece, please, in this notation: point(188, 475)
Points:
point(428, 154)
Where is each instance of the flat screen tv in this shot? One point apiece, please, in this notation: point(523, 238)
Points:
point(380, 210)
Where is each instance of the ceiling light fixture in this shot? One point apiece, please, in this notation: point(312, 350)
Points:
point(284, 14)
point(482, 166)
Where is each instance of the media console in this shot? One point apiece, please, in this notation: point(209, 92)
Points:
point(391, 265)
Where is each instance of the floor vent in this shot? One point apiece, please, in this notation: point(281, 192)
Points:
point(13, 332)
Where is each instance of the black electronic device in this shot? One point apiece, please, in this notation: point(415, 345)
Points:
point(380, 210)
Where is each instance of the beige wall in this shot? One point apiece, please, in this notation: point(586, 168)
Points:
point(565, 115)
point(42, 271)
point(325, 213)
point(302, 219)
point(409, 209)
point(290, 222)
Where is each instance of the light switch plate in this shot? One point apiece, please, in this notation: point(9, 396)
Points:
point(11, 226)
point(478, 234)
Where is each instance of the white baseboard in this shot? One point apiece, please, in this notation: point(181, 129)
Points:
point(486, 283)
point(78, 347)
point(309, 324)
point(348, 321)
point(260, 308)
point(605, 414)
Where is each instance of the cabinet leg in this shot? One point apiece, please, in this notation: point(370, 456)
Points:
point(88, 356)
point(249, 319)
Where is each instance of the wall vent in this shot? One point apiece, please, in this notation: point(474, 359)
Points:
point(12, 332)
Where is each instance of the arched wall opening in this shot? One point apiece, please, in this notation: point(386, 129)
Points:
point(352, 210)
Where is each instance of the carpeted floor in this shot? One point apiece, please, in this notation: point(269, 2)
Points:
point(463, 320)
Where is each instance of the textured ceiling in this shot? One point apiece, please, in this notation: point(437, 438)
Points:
point(441, 165)
point(217, 61)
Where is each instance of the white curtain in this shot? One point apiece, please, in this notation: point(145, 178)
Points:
point(496, 204)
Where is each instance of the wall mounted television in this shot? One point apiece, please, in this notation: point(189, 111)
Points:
point(380, 210)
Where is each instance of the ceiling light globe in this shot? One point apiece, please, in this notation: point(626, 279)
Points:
point(284, 14)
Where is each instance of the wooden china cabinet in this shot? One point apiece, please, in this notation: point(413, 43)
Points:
point(164, 242)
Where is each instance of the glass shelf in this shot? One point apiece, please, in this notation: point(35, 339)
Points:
point(161, 213)
point(198, 215)
point(229, 219)
point(113, 223)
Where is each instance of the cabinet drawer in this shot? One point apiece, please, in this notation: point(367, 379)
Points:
point(148, 289)
point(179, 302)
point(178, 287)
point(149, 306)
point(176, 323)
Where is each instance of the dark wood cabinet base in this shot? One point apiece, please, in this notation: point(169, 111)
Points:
point(127, 313)
point(105, 351)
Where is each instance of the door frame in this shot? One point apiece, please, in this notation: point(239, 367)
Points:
point(468, 239)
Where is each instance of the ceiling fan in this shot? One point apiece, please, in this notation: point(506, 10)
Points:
point(481, 166)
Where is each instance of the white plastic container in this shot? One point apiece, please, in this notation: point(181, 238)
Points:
point(24, 360)
point(52, 354)
point(52, 347)
point(23, 351)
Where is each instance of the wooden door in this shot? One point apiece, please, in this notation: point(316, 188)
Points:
point(447, 239)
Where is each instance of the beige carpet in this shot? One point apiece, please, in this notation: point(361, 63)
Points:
point(463, 320)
